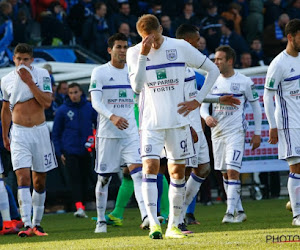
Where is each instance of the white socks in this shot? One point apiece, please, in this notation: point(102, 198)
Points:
point(176, 198)
point(101, 193)
point(233, 195)
point(137, 177)
point(192, 187)
point(25, 204)
point(38, 204)
point(4, 203)
point(239, 206)
point(294, 192)
point(150, 194)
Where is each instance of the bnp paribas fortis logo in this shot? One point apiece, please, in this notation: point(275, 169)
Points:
point(270, 82)
point(122, 93)
point(161, 74)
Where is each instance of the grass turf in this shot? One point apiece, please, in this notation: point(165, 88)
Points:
point(265, 217)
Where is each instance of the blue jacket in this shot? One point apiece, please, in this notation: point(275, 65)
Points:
point(73, 123)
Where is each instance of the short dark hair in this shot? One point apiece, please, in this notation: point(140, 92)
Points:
point(75, 84)
point(59, 85)
point(115, 37)
point(230, 53)
point(24, 48)
point(185, 30)
point(292, 27)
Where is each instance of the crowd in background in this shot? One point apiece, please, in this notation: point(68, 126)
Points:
point(253, 28)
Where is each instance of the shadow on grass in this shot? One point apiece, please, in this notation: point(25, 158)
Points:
point(265, 214)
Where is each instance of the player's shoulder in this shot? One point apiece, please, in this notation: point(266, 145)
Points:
point(178, 43)
point(243, 79)
point(8, 76)
point(40, 71)
point(280, 60)
point(135, 49)
point(100, 68)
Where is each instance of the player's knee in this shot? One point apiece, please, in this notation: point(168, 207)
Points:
point(203, 170)
point(104, 179)
point(24, 180)
point(39, 187)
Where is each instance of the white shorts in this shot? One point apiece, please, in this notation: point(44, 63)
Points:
point(32, 147)
point(202, 152)
point(288, 143)
point(228, 151)
point(111, 153)
point(178, 143)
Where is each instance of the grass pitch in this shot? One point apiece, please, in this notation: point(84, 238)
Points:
point(266, 218)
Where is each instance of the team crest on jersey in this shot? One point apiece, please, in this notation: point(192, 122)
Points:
point(93, 84)
point(161, 74)
point(122, 93)
point(70, 114)
point(297, 150)
point(46, 83)
point(148, 148)
point(171, 54)
point(235, 87)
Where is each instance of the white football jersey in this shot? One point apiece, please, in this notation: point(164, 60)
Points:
point(164, 86)
point(117, 96)
point(190, 93)
point(231, 119)
point(283, 75)
point(14, 90)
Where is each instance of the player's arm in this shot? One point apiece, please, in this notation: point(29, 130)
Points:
point(6, 121)
point(43, 98)
point(255, 140)
point(120, 122)
point(204, 112)
point(270, 110)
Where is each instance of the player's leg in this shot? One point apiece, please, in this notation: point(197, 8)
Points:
point(13, 209)
point(294, 188)
point(152, 143)
point(125, 192)
point(164, 201)
point(179, 147)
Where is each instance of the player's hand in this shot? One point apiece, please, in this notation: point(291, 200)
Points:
point(120, 122)
point(6, 143)
point(187, 107)
point(229, 100)
point(273, 136)
point(25, 76)
point(211, 122)
point(194, 135)
point(147, 44)
point(255, 142)
point(63, 159)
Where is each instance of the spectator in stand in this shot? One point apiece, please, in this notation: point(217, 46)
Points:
point(272, 12)
point(202, 46)
point(166, 23)
point(18, 6)
point(73, 124)
point(231, 38)
point(39, 6)
point(210, 28)
point(125, 29)
point(22, 28)
point(60, 94)
point(125, 16)
point(54, 27)
point(96, 31)
point(246, 60)
point(294, 9)
point(78, 14)
point(257, 54)
point(187, 16)
point(274, 40)
point(254, 24)
point(233, 14)
point(6, 33)
point(156, 9)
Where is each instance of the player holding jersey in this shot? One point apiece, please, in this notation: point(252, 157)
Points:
point(282, 81)
point(117, 140)
point(156, 69)
point(228, 128)
point(26, 93)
